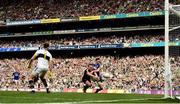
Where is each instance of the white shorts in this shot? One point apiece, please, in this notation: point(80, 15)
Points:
point(16, 81)
point(38, 71)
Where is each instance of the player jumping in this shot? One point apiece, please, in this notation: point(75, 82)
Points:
point(44, 58)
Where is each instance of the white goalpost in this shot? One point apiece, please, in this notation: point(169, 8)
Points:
point(172, 53)
point(167, 72)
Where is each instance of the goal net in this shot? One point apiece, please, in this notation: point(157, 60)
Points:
point(172, 49)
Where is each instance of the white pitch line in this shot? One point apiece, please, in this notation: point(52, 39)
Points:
point(69, 101)
point(108, 101)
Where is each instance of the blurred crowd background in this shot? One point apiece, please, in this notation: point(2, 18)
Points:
point(129, 72)
point(39, 9)
point(84, 40)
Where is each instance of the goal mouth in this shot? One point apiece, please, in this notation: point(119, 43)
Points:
point(174, 11)
point(174, 6)
point(172, 33)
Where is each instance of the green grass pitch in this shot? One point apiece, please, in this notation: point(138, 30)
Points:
point(80, 98)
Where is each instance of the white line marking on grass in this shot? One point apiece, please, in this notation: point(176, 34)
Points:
point(108, 101)
point(70, 101)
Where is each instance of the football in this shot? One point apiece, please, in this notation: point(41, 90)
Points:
point(106, 75)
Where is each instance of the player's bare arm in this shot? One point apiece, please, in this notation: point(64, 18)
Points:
point(91, 75)
point(96, 77)
point(50, 65)
point(97, 70)
point(31, 60)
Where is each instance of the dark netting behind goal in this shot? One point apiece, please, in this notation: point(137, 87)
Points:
point(174, 49)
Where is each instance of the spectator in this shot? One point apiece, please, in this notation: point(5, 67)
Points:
point(115, 39)
point(129, 72)
point(39, 9)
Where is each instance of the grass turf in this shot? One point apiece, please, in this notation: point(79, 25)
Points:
point(68, 98)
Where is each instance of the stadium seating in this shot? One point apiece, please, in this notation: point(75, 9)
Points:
point(114, 39)
point(129, 73)
point(39, 9)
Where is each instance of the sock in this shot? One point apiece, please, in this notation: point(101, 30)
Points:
point(85, 88)
point(44, 83)
point(36, 79)
point(31, 84)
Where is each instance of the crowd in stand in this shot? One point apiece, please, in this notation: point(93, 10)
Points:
point(129, 72)
point(39, 9)
point(91, 40)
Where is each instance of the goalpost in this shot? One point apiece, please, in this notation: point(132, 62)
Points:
point(172, 50)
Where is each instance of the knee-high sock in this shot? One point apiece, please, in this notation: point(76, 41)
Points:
point(44, 82)
point(31, 84)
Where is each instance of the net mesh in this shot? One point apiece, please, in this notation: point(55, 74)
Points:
point(174, 49)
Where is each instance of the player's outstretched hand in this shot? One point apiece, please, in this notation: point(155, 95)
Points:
point(96, 78)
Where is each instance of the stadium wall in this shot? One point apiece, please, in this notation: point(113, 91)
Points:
point(118, 91)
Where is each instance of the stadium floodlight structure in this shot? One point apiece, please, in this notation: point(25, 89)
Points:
point(172, 38)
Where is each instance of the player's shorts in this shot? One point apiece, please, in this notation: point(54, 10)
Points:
point(16, 81)
point(84, 80)
point(37, 71)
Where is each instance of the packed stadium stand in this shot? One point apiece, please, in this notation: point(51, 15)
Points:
point(136, 70)
point(88, 40)
point(39, 9)
point(129, 72)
